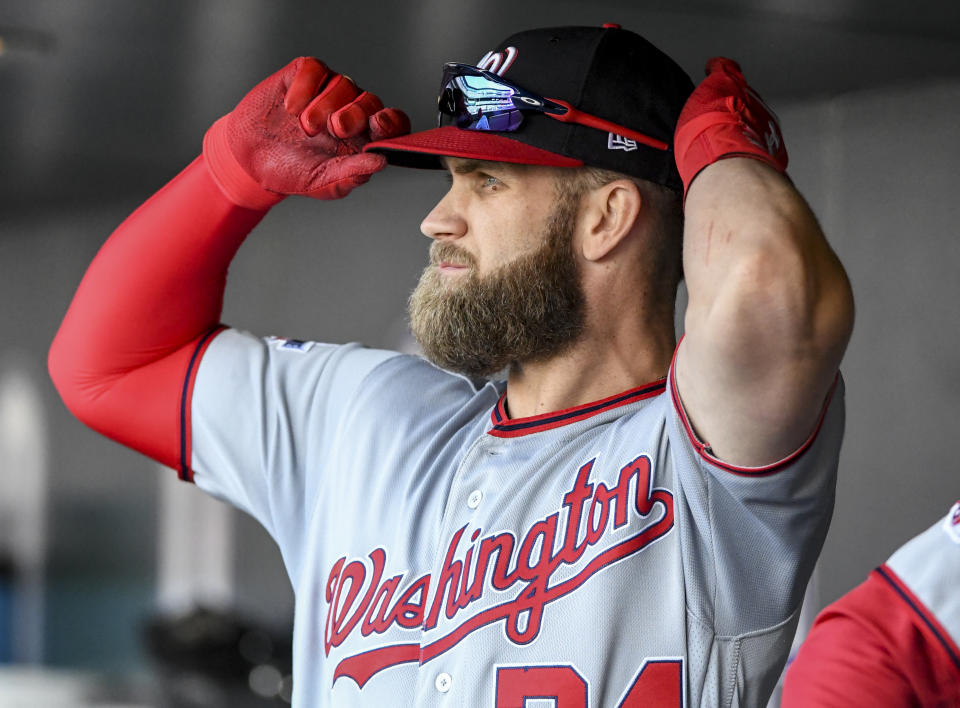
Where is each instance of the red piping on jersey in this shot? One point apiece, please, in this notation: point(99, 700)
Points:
point(887, 573)
point(703, 448)
point(505, 427)
point(186, 449)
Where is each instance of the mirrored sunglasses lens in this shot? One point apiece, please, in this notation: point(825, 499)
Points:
point(477, 103)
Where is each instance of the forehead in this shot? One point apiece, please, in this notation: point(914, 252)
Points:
point(535, 177)
point(462, 166)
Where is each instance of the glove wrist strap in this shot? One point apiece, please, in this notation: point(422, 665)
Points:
point(715, 136)
point(239, 187)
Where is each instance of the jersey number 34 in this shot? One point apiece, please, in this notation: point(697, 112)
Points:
point(658, 684)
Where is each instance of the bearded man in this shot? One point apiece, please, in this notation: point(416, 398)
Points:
point(622, 520)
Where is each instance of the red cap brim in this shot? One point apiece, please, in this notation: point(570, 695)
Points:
point(424, 149)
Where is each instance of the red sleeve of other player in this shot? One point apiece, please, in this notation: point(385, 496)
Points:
point(875, 646)
point(124, 357)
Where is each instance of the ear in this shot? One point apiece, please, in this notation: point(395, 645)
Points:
point(609, 214)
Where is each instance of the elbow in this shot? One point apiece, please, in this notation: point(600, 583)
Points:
point(833, 313)
point(800, 304)
point(137, 406)
point(66, 371)
point(63, 373)
point(825, 313)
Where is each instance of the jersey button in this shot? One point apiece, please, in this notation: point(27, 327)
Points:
point(476, 496)
point(443, 682)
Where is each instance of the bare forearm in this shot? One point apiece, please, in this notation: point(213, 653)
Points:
point(769, 316)
point(759, 270)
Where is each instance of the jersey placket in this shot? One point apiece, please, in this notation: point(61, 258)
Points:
point(445, 677)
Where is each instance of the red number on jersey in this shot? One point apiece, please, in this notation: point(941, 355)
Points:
point(561, 683)
point(659, 684)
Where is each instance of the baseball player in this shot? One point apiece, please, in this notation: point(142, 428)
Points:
point(623, 521)
point(893, 640)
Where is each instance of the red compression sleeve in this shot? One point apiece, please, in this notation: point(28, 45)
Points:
point(878, 646)
point(124, 357)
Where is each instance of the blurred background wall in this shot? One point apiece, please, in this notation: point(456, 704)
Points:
point(102, 101)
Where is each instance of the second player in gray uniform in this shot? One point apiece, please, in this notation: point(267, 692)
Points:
point(892, 641)
point(569, 534)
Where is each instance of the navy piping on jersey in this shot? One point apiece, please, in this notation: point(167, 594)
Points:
point(184, 471)
point(889, 577)
point(503, 426)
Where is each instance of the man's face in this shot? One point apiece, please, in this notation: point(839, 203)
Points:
point(502, 286)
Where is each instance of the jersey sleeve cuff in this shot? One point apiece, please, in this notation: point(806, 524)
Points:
point(703, 448)
point(184, 470)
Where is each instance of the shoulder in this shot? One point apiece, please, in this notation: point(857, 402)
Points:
point(418, 380)
point(413, 393)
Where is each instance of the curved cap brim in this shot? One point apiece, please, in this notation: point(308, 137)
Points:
point(425, 148)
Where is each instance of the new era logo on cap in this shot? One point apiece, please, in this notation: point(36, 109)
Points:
point(618, 142)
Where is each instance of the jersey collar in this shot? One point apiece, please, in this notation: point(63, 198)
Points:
point(505, 427)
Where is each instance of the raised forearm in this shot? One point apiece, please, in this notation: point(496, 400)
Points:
point(760, 273)
point(770, 308)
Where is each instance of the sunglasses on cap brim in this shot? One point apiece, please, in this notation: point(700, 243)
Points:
point(481, 100)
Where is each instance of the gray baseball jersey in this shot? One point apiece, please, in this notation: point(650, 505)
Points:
point(926, 575)
point(894, 640)
point(444, 554)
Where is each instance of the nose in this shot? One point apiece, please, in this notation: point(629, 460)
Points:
point(445, 220)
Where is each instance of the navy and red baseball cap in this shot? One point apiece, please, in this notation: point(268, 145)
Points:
point(606, 72)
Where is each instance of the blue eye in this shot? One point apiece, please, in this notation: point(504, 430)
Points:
point(489, 181)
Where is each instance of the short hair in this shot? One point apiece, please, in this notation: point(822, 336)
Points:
point(666, 207)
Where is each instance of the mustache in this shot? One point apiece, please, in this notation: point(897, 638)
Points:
point(443, 252)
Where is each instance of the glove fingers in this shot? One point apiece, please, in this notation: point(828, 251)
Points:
point(299, 131)
point(337, 177)
point(388, 123)
point(338, 92)
point(310, 76)
point(351, 120)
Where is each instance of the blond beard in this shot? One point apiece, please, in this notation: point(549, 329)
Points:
point(530, 309)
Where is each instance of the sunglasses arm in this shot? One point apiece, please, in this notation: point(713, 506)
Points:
point(572, 115)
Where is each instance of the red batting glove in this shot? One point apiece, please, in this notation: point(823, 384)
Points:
point(299, 131)
point(724, 117)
